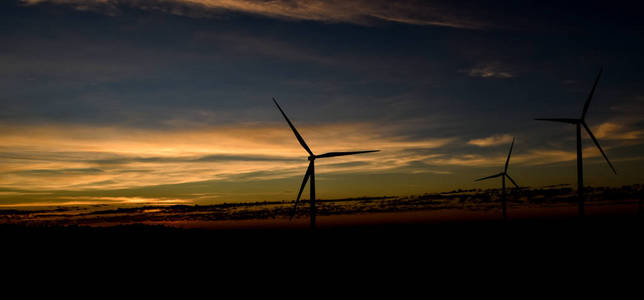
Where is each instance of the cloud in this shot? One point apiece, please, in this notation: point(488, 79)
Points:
point(122, 160)
point(616, 131)
point(491, 140)
point(59, 172)
point(361, 12)
point(92, 200)
point(78, 157)
point(83, 158)
point(21, 193)
point(532, 158)
point(244, 44)
point(490, 70)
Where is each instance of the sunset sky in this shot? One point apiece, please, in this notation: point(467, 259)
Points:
point(169, 101)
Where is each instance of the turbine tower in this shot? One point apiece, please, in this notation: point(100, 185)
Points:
point(578, 123)
point(310, 171)
point(503, 175)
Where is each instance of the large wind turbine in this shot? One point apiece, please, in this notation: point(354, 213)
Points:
point(310, 171)
point(582, 122)
point(503, 175)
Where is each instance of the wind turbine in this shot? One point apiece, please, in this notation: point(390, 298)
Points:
point(582, 122)
point(503, 175)
point(310, 171)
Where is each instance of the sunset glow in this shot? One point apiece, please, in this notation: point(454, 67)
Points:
point(169, 102)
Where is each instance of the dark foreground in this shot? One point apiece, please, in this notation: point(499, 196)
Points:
point(569, 237)
point(534, 254)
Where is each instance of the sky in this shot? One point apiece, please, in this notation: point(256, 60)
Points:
point(169, 101)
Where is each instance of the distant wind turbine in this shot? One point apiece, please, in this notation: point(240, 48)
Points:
point(503, 175)
point(310, 171)
point(582, 122)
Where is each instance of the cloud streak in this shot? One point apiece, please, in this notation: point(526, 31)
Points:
point(491, 140)
point(617, 131)
point(490, 70)
point(83, 165)
point(67, 157)
point(92, 200)
point(360, 12)
point(81, 157)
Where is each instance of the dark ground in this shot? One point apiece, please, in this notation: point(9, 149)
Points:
point(561, 236)
point(536, 257)
point(536, 252)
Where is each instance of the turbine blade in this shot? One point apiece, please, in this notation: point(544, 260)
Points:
point(297, 134)
point(569, 121)
point(492, 176)
point(507, 161)
point(599, 147)
point(512, 180)
point(590, 96)
point(332, 154)
point(306, 178)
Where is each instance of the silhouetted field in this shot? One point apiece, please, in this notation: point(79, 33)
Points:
point(526, 244)
point(454, 206)
point(449, 232)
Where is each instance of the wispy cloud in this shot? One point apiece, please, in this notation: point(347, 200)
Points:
point(362, 12)
point(90, 200)
point(67, 157)
point(82, 157)
point(531, 158)
point(490, 70)
point(491, 140)
point(616, 131)
point(243, 44)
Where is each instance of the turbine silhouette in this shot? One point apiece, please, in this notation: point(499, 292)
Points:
point(503, 175)
point(310, 171)
point(582, 122)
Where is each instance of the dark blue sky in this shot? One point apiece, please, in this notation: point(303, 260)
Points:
point(444, 85)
